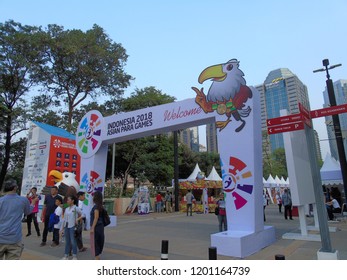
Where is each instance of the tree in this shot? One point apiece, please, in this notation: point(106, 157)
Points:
point(80, 66)
point(144, 158)
point(16, 166)
point(21, 53)
point(277, 162)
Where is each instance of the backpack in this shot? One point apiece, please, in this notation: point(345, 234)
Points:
point(216, 211)
point(106, 218)
point(53, 219)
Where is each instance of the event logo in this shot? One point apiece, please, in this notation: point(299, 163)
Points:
point(227, 94)
point(88, 137)
point(233, 181)
point(56, 143)
point(92, 182)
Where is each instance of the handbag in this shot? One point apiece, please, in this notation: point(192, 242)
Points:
point(75, 232)
point(106, 218)
point(216, 211)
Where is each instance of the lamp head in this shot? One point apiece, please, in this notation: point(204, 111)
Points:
point(325, 62)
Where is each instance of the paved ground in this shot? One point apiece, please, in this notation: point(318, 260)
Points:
point(139, 237)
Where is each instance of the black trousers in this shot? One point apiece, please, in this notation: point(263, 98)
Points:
point(288, 209)
point(79, 235)
point(33, 218)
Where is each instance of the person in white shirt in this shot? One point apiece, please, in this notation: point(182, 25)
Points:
point(72, 215)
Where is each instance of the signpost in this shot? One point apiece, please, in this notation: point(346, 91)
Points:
point(296, 122)
point(285, 128)
point(333, 110)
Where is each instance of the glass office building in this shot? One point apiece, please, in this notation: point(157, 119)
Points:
point(281, 90)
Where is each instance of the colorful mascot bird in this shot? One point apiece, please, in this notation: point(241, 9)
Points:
point(227, 93)
point(66, 183)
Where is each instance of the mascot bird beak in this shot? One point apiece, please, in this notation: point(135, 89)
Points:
point(57, 176)
point(214, 72)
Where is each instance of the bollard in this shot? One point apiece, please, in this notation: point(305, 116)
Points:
point(164, 250)
point(279, 257)
point(212, 253)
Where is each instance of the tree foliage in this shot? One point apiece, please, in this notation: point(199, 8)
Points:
point(81, 65)
point(276, 164)
point(147, 158)
point(21, 54)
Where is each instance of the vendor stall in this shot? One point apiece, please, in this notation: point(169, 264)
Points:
point(203, 188)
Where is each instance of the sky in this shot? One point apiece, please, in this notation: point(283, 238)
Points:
point(170, 42)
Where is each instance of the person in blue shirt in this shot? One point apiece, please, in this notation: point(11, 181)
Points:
point(12, 208)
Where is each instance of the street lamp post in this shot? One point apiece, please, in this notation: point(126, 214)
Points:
point(176, 184)
point(336, 123)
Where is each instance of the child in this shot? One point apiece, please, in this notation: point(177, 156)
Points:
point(58, 212)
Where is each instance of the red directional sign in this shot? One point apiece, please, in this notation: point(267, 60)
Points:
point(305, 114)
point(333, 110)
point(285, 127)
point(284, 120)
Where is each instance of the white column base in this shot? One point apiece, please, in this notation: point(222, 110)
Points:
point(242, 243)
point(328, 255)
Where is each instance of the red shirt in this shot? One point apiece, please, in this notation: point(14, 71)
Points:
point(158, 198)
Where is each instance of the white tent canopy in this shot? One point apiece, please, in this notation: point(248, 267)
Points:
point(331, 171)
point(213, 176)
point(283, 182)
point(270, 182)
point(192, 177)
point(276, 182)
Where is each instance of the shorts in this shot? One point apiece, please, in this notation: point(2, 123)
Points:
point(11, 251)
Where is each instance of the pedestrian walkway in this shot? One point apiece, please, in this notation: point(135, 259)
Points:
point(139, 237)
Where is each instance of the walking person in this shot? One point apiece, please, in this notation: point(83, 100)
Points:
point(48, 209)
point(97, 228)
point(80, 224)
point(287, 203)
point(12, 208)
point(222, 214)
point(279, 202)
point(168, 201)
point(72, 215)
point(189, 198)
point(32, 217)
point(265, 203)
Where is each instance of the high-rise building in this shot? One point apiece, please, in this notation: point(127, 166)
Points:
point(190, 137)
point(318, 150)
point(340, 90)
point(281, 90)
point(211, 138)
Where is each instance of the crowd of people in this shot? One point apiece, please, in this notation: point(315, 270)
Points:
point(63, 217)
point(66, 219)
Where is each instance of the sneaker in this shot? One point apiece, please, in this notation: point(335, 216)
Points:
point(83, 249)
point(54, 245)
point(74, 257)
point(43, 244)
point(28, 234)
point(65, 257)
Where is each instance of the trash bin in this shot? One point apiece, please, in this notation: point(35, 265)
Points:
point(108, 204)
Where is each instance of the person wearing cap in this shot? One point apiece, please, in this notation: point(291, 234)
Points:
point(81, 197)
point(12, 208)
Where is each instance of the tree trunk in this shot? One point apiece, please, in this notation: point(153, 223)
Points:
point(6, 161)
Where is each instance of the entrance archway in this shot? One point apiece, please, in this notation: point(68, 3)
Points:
point(239, 145)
